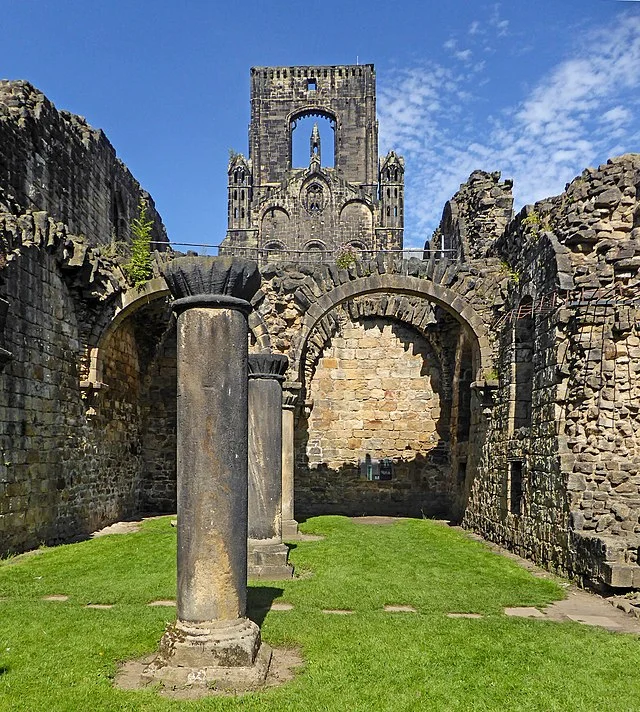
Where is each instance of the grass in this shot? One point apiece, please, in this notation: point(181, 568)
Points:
point(61, 656)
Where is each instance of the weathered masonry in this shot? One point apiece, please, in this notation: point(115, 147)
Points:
point(495, 381)
point(338, 196)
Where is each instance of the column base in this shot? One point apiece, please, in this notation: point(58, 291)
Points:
point(268, 560)
point(220, 654)
point(289, 528)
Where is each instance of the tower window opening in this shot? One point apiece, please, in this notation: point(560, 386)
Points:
point(235, 195)
point(235, 212)
point(396, 192)
point(395, 212)
point(242, 195)
point(312, 84)
point(301, 131)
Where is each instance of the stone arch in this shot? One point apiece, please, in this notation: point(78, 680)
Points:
point(131, 302)
point(356, 222)
point(274, 223)
point(447, 298)
point(415, 312)
point(273, 250)
point(309, 111)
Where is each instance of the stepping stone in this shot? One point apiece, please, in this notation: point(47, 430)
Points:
point(400, 609)
point(56, 597)
point(524, 612)
point(602, 621)
point(337, 611)
point(162, 603)
point(281, 606)
point(99, 605)
point(464, 615)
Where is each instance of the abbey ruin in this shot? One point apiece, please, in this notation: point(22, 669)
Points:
point(494, 380)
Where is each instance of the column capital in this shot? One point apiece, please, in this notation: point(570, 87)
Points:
point(272, 366)
point(290, 394)
point(217, 282)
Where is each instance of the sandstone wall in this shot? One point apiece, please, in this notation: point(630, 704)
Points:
point(377, 389)
point(574, 257)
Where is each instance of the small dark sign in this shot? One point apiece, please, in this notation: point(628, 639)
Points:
point(386, 468)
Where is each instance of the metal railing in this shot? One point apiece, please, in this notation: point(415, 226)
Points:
point(263, 255)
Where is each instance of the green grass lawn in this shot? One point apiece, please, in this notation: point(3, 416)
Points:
point(61, 656)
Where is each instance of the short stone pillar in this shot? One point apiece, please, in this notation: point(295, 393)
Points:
point(267, 555)
point(212, 638)
point(290, 393)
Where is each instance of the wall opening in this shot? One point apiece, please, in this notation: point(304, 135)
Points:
point(301, 130)
point(523, 337)
point(462, 472)
point(515, 486)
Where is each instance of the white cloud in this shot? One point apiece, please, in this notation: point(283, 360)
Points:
point(583, 111)
point(617, 115)
point(463, 55)
point(474, 28)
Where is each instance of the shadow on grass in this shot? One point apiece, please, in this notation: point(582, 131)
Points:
point(259, 600)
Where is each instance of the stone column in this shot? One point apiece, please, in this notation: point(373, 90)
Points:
point(291, 390)
point(212, 638)
point(267, 555)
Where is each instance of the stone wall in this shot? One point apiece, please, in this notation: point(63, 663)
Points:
point(158, 486)
point(70, 446)
point(61, 473)
point(53, 161)
point(573, 269)
point(376, 391)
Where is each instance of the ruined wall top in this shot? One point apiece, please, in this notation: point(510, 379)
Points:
point(474, 218)
point(53, 161)
point(594, 223)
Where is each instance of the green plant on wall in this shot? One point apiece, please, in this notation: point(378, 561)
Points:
point(513, 275)
point(139, 268)
point(536, 223)
point(346, 258)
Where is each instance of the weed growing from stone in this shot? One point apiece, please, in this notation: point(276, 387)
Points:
point(139, 268)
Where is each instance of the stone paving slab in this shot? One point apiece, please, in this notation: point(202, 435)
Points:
point(400, 609)
point(601, 621)
point(465, 615)
point(56, 597)
point(523, 612)
point(337, 611)
point(579, 606)
point(281, 606)
point(100, 606)
point(166, 602)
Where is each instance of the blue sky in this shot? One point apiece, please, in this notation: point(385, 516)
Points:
point(537, 90)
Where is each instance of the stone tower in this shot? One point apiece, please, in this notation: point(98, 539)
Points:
point(277, 207)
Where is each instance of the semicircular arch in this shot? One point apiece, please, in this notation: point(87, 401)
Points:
point(135, 299)
point(446, 298)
